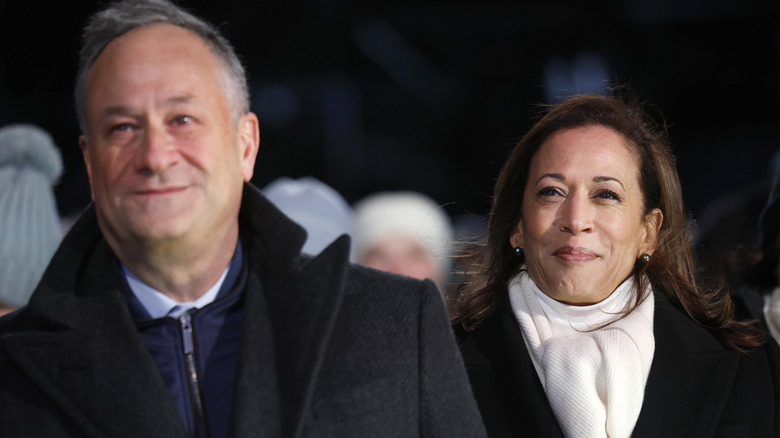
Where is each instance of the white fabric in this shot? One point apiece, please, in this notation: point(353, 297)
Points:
point(772, 312)
point(594, 380)
point(159, 304)
point(315, 206)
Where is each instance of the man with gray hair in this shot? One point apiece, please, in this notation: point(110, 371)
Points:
point(180, 304)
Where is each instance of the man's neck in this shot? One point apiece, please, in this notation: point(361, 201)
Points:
point(182, 273)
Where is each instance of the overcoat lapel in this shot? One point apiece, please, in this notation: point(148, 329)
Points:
point(528, 389)
point(256, 406)
point(93, 378)
point(310, 302)
point(690, 379)
point(302, 298)
point(505, 383)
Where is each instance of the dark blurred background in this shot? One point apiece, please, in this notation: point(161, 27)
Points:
point(431, 96)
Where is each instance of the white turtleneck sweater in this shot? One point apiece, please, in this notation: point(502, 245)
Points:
point(594, 379)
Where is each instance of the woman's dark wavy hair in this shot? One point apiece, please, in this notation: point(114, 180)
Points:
point(671, 270)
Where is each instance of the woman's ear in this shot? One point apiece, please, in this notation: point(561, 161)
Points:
point(652, 226)
point(516, 238)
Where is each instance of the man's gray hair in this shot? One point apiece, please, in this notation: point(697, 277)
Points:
point(125, 16)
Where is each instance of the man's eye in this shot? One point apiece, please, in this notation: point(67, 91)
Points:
point(121, 127)
point(182, 120)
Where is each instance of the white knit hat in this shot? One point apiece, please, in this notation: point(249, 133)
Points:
point(315, 206)
point(408, 213)
point(30, 164)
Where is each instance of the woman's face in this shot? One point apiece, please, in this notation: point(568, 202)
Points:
point(582, 226)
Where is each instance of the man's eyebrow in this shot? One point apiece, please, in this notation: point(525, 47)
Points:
point(123, 110)
point(185, 98)
point(117, 110)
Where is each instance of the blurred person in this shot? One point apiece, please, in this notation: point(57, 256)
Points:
point(583, 316)
point(724, 238)
point(760, 279)
point(30, 165)
point(314, 205)
point(405, 233)
point(180, 305)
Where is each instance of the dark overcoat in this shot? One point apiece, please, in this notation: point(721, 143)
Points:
point(328, 349)
point(696, 387)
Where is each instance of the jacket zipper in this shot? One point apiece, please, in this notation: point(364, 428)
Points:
point(192, 373)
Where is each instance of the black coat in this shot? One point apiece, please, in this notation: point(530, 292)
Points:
point(696, 387)
point(328, 349)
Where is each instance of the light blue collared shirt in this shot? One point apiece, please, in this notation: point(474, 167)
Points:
point(159, 305)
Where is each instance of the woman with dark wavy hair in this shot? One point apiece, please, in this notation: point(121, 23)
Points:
point(583, 316)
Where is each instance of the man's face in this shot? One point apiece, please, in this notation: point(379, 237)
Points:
point(166, 160)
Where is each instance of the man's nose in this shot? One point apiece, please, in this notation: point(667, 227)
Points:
point(157, 151)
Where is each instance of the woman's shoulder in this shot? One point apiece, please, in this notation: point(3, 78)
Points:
point(471, 342)
point(678, 337)
point(490, 338)
point(691, 362)
point(673, 325)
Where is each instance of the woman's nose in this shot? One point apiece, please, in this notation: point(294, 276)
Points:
point(576, 215)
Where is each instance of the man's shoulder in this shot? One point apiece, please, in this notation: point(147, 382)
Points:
point(362, 279)
point(17, 321)
point(26, 322)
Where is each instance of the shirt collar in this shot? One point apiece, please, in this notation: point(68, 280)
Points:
point(159, 305)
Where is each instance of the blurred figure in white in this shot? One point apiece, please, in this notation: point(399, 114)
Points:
point(315, 206)
point(30, 165)
point(405, 233)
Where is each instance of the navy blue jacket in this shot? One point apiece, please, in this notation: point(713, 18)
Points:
point(206, 340)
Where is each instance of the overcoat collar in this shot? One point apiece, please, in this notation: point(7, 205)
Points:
point(690, 380)
point(82, 349)
point(302, 296)
point(77, 341)
point(508, 391)
point(686, 363)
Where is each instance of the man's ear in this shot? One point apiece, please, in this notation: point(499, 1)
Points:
point(84, 145)
point(249, 141)
point(652, 226)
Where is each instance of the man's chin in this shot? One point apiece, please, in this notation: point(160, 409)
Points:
point(158, 233)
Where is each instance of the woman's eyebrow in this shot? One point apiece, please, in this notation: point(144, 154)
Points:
point(608, 178)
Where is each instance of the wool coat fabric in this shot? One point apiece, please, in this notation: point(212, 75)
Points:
point(696, 387)
point(328, 349)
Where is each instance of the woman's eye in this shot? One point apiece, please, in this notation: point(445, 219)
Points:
point(608, 194)
point(550, 191)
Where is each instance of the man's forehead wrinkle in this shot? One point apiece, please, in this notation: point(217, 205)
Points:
point(125, 110)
